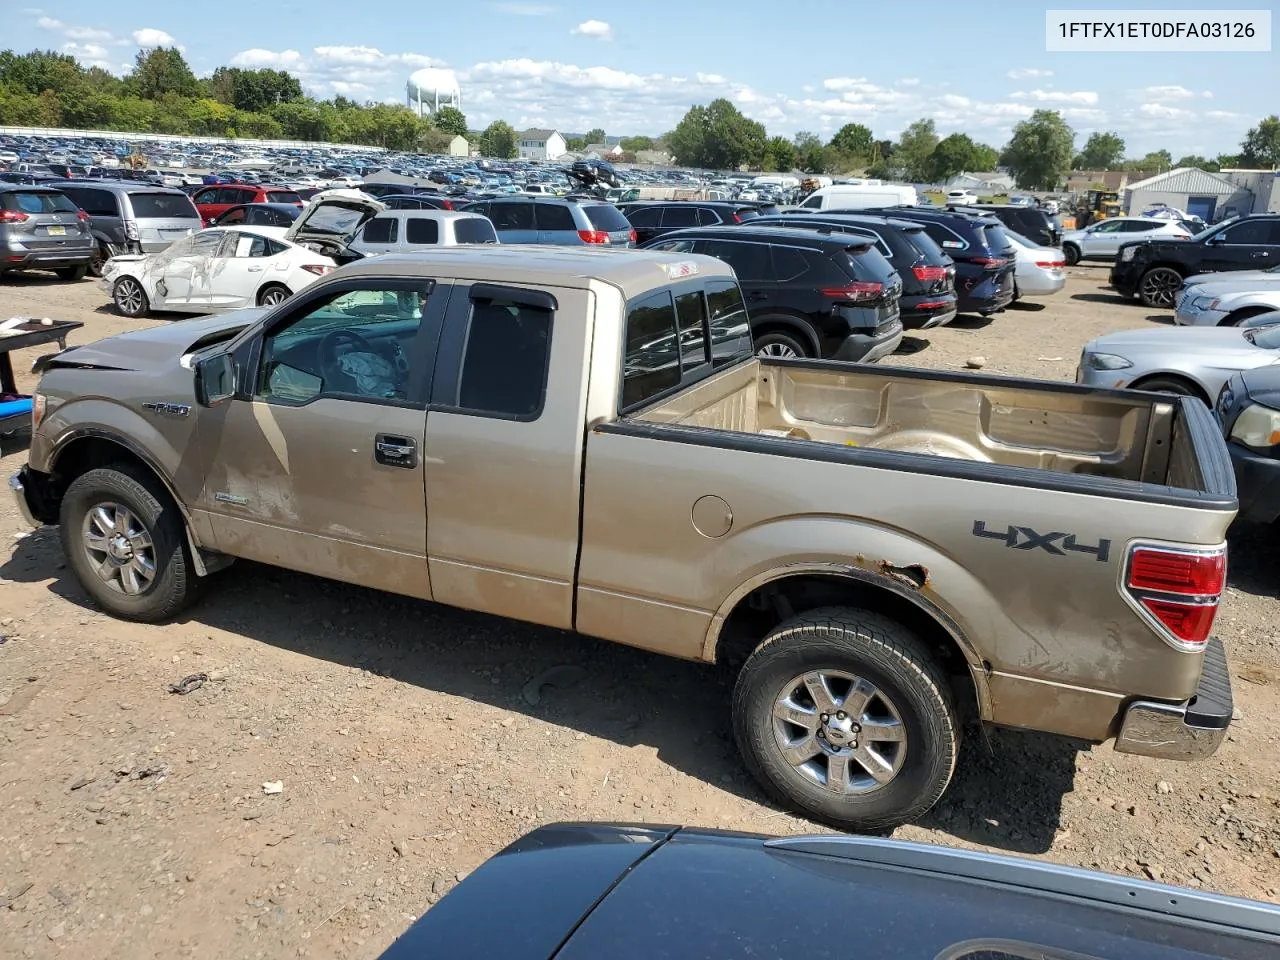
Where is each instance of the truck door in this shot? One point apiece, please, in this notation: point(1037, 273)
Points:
point(1252, 244)
point(504, 450)
point(317, 464)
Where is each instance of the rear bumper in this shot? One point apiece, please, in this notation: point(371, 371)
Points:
point(984, 294)
point(1041, 283)
point(1192, 730)
point(869, 347)
point(53, 259)
point(1257, 484)
point(925, 312)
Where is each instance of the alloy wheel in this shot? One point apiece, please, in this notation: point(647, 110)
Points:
point(778, 350)
point(119, 548)
point(1160, 286)
point(129, 297)
point(273, 297)
point(839, 731)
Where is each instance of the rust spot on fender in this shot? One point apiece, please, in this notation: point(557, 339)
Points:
point(913, 575)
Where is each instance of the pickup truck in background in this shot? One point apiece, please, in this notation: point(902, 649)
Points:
point(583, 439)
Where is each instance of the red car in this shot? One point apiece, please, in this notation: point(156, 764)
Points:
point(217, 199)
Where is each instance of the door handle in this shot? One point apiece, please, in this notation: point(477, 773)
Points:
point(395, 451)
point(255, 269)
point(1260, 253)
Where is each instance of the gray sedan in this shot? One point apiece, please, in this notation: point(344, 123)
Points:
point(1193, 361)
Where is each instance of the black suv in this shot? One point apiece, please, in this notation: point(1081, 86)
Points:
point(1031, 222)
point(653, 218)
point(808, 294)
point(1155, 269)
point(927, 274)
point(983, 255)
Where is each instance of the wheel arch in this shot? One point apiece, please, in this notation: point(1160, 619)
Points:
point(775, 595)
point(257, 297)
point(787, 323)
point(1239, 315)
point(1178, 375)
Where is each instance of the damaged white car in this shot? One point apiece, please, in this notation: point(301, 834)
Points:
point(213, 270)
point(331, 220)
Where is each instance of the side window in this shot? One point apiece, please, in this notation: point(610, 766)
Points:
point(505, 362)
point(512, 216)
point(421, 230)
point(652, 360)
point(643, 217)
point(480, 208)
point(206, 196)
point(708, 217)
point(679, 216)
point(691, 313)
point(553, 216)
point(750, 261)
point(1137, 226)
point(380, 230)
point(205, 244)
point(225, 195)
point(244, 245)
point(788, 263)
point(1108, 226)
point(96, 203)
point(943, 237)
point(813, 203)
point(1251, 231)
point(274, 247)
point(354, 345)
point(235, 215)
point(675, 246)
point(730, 330)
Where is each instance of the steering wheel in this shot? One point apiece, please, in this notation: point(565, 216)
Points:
point(328, 355)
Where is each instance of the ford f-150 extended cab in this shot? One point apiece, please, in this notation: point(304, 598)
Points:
point(583, 439)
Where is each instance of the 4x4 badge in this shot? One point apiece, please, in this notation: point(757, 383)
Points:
point(1057, 543)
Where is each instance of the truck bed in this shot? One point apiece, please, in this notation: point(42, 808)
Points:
point(966, 424)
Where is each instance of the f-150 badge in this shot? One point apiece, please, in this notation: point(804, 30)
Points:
point(1057, 543)
point(168, 409)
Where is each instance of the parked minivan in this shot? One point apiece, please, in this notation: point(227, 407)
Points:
point(859, 196)
point(808, 294)
point(526, 219)
point(404, 231)
point(127, 216)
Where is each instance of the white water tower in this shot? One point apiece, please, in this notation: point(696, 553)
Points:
point(431, 88)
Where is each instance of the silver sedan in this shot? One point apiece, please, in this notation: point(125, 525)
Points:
point(1195, 362)
point(1227, 301)
point(1038, 271)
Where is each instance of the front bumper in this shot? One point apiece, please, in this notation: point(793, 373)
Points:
point(1257, 484)
point(1192, 730)
point(1189, 316)
point(1125, 276)
point(870, 347)
point(18, 488)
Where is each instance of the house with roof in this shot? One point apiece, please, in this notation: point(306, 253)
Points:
point(459, 147)
point(991, 181)
point(1201, 194)
point(604, 151)
point(535, 144)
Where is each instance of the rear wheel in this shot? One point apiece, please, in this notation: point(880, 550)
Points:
point(72, 273)
point(1072, 254)
point(845, 715)
point(273, 294)
point(1159, 286)
point(101, 254)
point(779, 344)
point(129, 297)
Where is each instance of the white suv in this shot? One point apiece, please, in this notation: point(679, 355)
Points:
point(403, 231)
point(1101, 241)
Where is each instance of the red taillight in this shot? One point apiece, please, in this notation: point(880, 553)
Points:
point(12, 216)
point(1181, 589)
point(82, 216)
point(593, 236)
point(1051, 264)
point(933, 304)
point(634, 236)
point(989, 261)
point(319, 269)
point(448, 204)
point(736, 218)
point(930, 273)
point(857, 291)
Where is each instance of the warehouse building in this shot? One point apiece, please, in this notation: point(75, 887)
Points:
point(1209, 196)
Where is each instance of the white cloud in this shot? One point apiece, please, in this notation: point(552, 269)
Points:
point(955, 100)
point(90, 55)
point(152, 37)
point(353, 71)
point(257, 57)
point(49, 23)
point(1024, 73)
point(88, 33)
point(526, 9)
point(1161, 111)
point(1056, 96)
point(711, 78)
point(909, 82)
point(1166, 93)
point(596, 29)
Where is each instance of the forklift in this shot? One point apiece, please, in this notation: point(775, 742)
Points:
point(1097, 205)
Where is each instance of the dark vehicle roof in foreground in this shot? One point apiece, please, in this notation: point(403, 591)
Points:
point(748, 233)
point(587, 891)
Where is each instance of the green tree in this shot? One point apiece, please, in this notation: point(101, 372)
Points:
point(161, 70)
point(452, 121)
point(810, 154)
point(636, 144)
point(853, 140)
point(1040, 151)
point(594, 135)
point(1226, 161)
point(1261, 145)
point(954, 154)
point(1103, 150)
point(254, 90)
point(914, 148)
point(1157, 161)
point(436, 140)
point(779, 154)
point(1195, 160)
point(498, 140)
point(716, 136)
point(576, 144)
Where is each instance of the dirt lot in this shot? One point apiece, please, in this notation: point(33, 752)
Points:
point(134, 820)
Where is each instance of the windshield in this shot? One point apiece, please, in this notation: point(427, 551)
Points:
point(335, 220)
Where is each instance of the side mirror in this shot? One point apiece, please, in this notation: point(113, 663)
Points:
point(215, 380)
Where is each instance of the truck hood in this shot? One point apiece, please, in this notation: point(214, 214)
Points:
point(158, 347)
point(334, 215)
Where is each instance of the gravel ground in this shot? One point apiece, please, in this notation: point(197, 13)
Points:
point(134, 821)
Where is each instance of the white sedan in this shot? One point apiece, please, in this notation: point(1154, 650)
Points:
point(1038, 271)
point(215, 269)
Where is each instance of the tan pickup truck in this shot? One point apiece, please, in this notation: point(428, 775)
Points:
point(584, 439)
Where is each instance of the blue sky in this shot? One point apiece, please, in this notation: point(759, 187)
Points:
point(636, 67)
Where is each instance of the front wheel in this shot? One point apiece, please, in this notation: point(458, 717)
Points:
point(129, 297)
point(845, 715)
point(1159, 286)
point(123, 539)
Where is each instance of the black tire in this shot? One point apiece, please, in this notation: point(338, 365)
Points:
point(1176, 385)
point(267, 296)
point(1072, 254)
point(101, 254)
point(1238, 318)
point(129, 297)
point(1159, 286)
point(72, 273)
point(883, 652)
point(781, 343)
point(174, 583)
